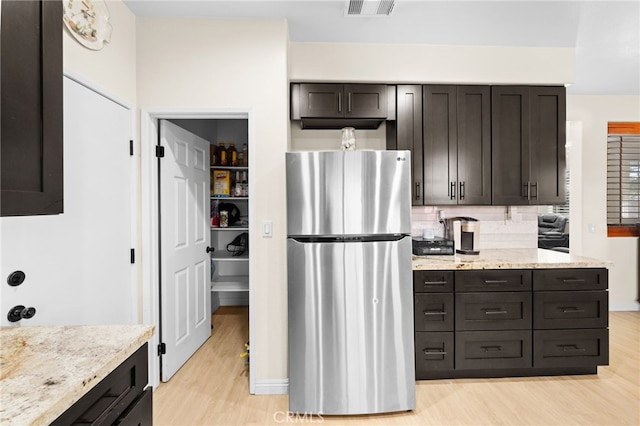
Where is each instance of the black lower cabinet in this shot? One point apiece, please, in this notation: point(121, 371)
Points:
point(501, 323)
point(121, 398)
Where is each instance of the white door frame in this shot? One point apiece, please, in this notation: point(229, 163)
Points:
point(149, 190)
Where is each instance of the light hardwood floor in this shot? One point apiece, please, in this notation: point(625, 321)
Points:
point(212, 389)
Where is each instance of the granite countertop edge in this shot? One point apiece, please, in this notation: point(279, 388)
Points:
point(59, 365)
point(507, 259)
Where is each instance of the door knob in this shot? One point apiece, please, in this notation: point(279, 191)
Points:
point(19, 312)
point(210, 249)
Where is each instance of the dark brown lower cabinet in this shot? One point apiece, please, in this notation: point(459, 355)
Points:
point(520, 322)
point(121, 398)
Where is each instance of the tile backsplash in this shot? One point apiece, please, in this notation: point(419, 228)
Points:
point(500, 227)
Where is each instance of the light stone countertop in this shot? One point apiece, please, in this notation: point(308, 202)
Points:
point(44, 370)
point(507, 259)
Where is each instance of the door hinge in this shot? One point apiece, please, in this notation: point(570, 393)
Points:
point(162, 349)
point(159, 151)
point(133, 255)
point(131, 147)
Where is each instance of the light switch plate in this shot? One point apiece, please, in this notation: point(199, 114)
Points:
point(267, 229)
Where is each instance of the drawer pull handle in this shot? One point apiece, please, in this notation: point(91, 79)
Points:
point(573, 280)
point(571, 348)
point(495, 282)
point(570, 309)
point(492, 348)
point(438, 283)
point(430, 352)
point(434, 312)
point(493, 311)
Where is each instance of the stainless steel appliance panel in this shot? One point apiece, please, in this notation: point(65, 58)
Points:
point(377, 192)
point(351, 348)
point(315, 193)
point(348, 193)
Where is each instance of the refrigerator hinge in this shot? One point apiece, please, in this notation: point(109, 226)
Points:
point(162, 349)
point(159, 151)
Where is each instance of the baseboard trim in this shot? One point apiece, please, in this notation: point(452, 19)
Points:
point(633, 306)
point(272, 387)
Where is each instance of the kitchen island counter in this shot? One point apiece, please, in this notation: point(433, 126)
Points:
point(507, 259)
point(44, 370)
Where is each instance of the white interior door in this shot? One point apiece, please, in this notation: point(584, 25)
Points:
point(185, 264)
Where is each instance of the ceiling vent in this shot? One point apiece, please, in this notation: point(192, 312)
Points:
point(369, 8)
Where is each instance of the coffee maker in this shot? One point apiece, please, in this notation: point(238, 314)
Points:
point(465, 233)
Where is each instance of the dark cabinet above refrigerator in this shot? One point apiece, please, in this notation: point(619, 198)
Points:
point(336, 105)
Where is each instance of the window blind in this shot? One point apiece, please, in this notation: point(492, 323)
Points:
point(623, 179)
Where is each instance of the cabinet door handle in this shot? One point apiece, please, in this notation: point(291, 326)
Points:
point(493, 311)
point(436, 352)
point(417, 191)
point(529, 191)
point(434, 283)
point(453, 191)
point(571, 348)
point(495, 282)
point(339, 102)
point(536, 193)
point(349, 102)
point(462, 190)
point(570, 309)
point(492, 348)
point(427, 313)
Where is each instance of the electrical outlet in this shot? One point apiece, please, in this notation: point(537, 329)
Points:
point(441, 214)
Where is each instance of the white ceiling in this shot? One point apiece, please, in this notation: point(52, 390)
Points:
point(605, 34)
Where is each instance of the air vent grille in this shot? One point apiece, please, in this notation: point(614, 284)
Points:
point(369, 8)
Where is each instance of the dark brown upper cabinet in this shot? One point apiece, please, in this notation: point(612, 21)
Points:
point(333, 105)
point(457, 145)
point(31, 130)
point(528, 137)
point(405, 133)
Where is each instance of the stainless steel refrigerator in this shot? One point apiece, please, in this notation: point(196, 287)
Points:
point(350, 295)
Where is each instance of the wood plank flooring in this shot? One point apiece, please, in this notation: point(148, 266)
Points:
point(212, 389)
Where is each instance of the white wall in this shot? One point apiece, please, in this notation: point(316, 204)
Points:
point(588, 201)
point(432, 64)
point(114, 67)
point(207, 64)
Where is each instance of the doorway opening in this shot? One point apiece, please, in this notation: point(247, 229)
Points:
point(230, 281)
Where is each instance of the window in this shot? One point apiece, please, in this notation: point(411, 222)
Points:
point(623, 179)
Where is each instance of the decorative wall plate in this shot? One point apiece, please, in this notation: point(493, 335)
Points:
point(88, 22)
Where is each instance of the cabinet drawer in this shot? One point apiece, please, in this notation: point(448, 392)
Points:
point(493, 311)
point(433, 281)
point(570, 348)
point(433, 312)
point(493, 280)
point(570, 309)
point(434, 352)
point(110, 398)
point(493, 349)
point(139, 413)
point(571, 279)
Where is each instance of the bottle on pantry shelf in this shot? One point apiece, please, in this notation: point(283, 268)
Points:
point(245, 155)
point(213, 154)
point(222, 155)
point(232, 154)
point(245, 185)
point(215, 213)
point(237, 189)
